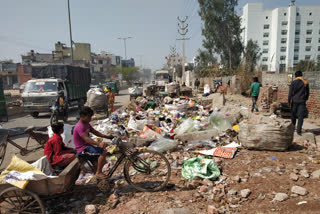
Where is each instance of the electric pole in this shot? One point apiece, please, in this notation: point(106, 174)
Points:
point(71, 42)
point(182, 29)
point(125, 45)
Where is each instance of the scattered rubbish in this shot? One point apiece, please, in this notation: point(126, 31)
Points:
point(219, 122)
point(163, 144)
point(302, 202)
point(273, 158)
point(188, 126)
point(200, 167)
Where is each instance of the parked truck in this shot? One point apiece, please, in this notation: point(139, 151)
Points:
point(41, 92)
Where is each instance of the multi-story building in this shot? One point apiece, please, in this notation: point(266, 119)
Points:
point(285, 35)
point(34, 57)
point(128, 62)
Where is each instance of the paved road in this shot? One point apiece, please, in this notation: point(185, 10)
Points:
point(19, 123)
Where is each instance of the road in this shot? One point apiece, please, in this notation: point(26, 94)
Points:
point(20, 123)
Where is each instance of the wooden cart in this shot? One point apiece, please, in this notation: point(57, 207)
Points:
point(30, 200)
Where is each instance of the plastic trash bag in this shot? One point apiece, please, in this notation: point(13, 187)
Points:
point(200, 167)
point(219, 122)
point(188, 126)
point(163, 144)
point(132, 124)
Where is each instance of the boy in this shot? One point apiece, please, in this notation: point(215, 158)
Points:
point(85, 146)
point(255, 90)
point(57, 153)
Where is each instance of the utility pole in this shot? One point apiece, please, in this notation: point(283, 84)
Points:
point(71, 42)
point(125, 45)
point(184, 31)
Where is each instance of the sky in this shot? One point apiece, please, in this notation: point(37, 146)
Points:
point(39, 24)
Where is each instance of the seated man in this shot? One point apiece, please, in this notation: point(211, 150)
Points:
point(57, 153)
point(85, 146)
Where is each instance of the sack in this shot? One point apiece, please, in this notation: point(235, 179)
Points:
point(200, 167)
point(96, 99)
point(219, 122)
point(266, 136)
point(163, 144)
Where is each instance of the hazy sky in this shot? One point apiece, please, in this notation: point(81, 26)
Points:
point(38, 24)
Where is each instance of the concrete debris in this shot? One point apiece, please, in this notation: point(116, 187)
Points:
point(245, 193)
point(280, 197)
point(316, 174)
point(294, 177)
point(90, 209)
point(304, 173)
point(212, 210)
point(299, 190)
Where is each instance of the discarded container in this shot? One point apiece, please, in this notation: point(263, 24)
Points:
point(270, 136)
point(200, 167)
point(163, 144)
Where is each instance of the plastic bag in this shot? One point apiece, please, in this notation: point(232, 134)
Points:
point(200, 167)
point(219, 122)
point(206, 89)
point(67, 137)
point(187, 126)
point(132, 123)
point(163, 144)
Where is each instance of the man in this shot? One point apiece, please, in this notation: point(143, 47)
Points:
point(298, 96)
point(62, 102)
point(85, 146)
point(57, 153)
point(111, 99)
point(197, 84)
point(255, 90)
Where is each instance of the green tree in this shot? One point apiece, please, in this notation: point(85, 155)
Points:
point(252, 55)
point(306, 65)
point(205, 58)
point(222, 30)
point(129, 73)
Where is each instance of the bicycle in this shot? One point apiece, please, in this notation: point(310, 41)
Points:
point(144, 169)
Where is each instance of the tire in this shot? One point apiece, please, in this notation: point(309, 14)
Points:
point(3, 147)
point(15, 200)
point(154, 178)
point(35, 114)
point(53, 119)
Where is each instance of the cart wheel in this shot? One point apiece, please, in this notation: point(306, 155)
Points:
point(15, 200)
point(104, 185)
point(3, 147)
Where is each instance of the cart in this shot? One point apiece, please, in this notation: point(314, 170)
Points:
point(31, 199)
point(39, 135)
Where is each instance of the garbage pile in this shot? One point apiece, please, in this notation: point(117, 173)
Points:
point(190, 125)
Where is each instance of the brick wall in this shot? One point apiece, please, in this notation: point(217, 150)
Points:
point(24, 73)
point(281, 81)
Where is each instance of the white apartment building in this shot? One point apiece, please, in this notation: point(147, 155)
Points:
point(285, 35)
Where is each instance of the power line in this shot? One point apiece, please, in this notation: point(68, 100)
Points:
point(183, 30)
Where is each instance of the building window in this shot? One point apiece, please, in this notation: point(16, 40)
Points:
point(282, 57)
point(284, 32)
point(308, 48)
point(308, 40)
point(307, 57)
point(284, 23)
point(265, 51)
point(298, 22)
point(309, 32)
point(265, 59)
point(309, 23)
point(266, 35)
point(310, 14)
point(296, 41)
point(318, 48)
point(285, 14)
point(296, 49)
point(283, 40)
point(319, 32)
point(297, 32)
point(265, 42)
point(319, 40)
point(266, 27)
point(267, 17)
point(283, 49)
point(318, 57)
point(298, 14)
point(296, 57)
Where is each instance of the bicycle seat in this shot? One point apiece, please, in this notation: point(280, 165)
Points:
point(30, 128)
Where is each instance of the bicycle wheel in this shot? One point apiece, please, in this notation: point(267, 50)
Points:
point(147, 171)
point(15, 200)
point(3, 147)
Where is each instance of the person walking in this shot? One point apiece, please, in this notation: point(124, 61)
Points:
point(197, 84)
point(254, 91)
point(297, 98)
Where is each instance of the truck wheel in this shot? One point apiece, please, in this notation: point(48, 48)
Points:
point(35, 114)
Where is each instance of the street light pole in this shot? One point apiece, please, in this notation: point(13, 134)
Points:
point(125, 45)
point(71, 42)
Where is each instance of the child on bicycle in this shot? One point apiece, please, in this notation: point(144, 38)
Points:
point(85, 146)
